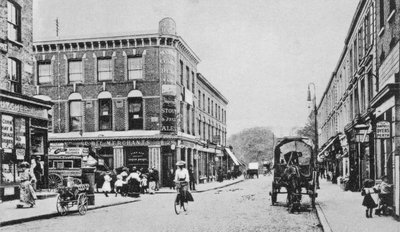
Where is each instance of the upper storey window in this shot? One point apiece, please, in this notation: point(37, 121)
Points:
point(14, 75)
point(44, 73)
point(104, 71)
point(14, 22)
point(75, 72)
point(135, 68)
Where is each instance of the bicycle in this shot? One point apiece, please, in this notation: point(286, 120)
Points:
point(180, 202)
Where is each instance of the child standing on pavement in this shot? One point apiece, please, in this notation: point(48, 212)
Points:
point(118, 185)
point(368, 201)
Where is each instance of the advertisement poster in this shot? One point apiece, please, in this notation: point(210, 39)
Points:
point(7, 135)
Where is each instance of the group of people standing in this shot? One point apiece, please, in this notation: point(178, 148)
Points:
point(131, 182)
point(376, 196)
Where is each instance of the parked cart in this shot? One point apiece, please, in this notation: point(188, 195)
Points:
point(70, 196)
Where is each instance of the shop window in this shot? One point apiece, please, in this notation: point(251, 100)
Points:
point(75, 115)
point(14, 21)
point(13, 142)
point(104, 70)
point(135, 68)
point(135, 111)
point(105, 114)
point(37, 141)
point(75, 71)
point(44, 73)
point(14, 75)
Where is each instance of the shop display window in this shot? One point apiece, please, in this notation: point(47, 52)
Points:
point(135, 110)
point(13, 135)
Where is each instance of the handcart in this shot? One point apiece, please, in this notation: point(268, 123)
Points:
point(70, 196)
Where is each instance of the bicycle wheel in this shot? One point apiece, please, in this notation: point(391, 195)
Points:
point(62, 206)
point(177, 204)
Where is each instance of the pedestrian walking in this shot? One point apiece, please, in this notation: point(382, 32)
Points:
point(192, 180)
point(38, 171)
point(220, 177)
point(157, 179)
point(118, 185)
point(144, 184)
point(124, 174)
point(368, 201)
point(152, 181)
point(133, 181)
point(107, 183)
point(170, 178)
point(27, 195)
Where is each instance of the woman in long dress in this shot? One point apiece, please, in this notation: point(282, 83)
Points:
point(27, 194)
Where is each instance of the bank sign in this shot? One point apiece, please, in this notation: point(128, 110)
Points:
point(383, 130)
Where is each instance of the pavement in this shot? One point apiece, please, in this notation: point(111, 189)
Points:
point(341, 211)
point(46, 207)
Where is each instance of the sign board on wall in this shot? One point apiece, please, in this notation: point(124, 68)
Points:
point(168, 75)
point(383, 130)
point(7, 133)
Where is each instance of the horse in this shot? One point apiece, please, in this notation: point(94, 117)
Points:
point(292, 182)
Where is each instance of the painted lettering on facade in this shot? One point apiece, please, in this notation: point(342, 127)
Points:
point(168, 90)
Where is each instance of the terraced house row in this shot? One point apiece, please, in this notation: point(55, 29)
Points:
point(359, 114)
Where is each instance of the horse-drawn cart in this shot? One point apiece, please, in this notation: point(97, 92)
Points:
point(294, 169)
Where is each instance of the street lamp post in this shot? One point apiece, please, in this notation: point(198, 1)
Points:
point(314, 101)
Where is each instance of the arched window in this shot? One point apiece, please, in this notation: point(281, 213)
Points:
point(75, 112)
point(105, 111)
point(135, 110)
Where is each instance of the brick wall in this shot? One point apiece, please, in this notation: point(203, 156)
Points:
point(21, 50)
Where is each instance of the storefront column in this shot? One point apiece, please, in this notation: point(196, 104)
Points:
point(178, 153)
point(186, 157)
point(197, 158)
point(155, 158)
point(119, 156)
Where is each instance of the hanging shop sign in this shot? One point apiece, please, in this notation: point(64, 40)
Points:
point(167, 61)
point(383, 130)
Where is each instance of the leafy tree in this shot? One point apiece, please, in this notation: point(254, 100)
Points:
point(253, 144)
point(309, 128)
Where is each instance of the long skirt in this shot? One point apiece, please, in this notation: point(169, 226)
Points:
point(152, 187)
point(27, 194)
point(133, 188)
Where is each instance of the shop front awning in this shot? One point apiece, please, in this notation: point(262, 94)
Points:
point(321, 153)
point(235, 160)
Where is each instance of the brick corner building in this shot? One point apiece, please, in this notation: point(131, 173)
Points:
point(132, 100)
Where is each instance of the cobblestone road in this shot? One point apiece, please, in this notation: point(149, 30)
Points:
point(240, 207)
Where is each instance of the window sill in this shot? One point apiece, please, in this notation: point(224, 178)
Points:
point(381, 31)
point(391, 16)
point(17, 43)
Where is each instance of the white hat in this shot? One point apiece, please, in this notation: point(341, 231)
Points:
point(180, 163)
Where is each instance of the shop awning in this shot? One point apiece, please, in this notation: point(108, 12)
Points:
point(233, 157)
point(327, 146)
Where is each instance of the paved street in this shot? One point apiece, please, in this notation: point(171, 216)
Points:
point(241, 207)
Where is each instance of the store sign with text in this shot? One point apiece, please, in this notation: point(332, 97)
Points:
point(383, 130)
point(168, 78)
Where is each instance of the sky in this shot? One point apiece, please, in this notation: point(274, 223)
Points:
point(260, 54)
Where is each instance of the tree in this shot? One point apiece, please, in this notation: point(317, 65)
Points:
point(309, 128)
point(253, 144)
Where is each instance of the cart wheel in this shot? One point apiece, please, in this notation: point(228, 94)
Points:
point(82, 204)
point(62, 206)
point(54, 181)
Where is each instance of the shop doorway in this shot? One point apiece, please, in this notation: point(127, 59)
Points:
point(168, 161)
